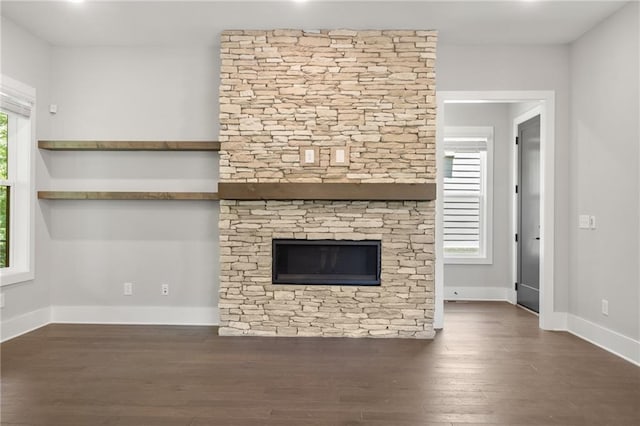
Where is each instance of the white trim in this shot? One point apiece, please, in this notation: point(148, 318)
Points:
point(559, 321)
point(547, 176)
point(23, 92)
point(13, 276)
point(24, 323)
point(150, 315)
point(22, 248)
point(490, 294)
point(438, 314)
point(158, 315)
point(609, 340)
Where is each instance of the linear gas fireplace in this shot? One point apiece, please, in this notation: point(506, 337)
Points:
point(341, 244)
point(336, 262)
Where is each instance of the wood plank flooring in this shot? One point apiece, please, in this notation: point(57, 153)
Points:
point(490, 365)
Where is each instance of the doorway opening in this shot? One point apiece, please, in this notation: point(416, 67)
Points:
point(503, 217)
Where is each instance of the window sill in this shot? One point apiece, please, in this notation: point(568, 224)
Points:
point(15, 276)
point(468, 261)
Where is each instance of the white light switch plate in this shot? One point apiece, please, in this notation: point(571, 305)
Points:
point(309, 156)
point(584, 221)
point(339, 156)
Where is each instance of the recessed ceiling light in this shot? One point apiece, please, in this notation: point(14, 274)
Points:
point(76, 1)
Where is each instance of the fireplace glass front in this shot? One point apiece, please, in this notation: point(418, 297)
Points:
point(337, 262)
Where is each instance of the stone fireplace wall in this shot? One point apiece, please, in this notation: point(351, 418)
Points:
point(370, 91)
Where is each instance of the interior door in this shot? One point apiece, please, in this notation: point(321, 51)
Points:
point(528, 286)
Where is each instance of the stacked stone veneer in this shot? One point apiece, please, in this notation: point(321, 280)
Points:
point(372, 91)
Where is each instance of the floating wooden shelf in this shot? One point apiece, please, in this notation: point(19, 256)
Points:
point(270, 191)
point(328, 191)
point(129, 145)
point(82, 195)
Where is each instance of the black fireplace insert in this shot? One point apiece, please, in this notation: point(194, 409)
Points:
point(337, 262)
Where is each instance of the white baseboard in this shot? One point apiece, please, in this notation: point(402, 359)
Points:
point(554, 321)
point(476, 293)
point(24, 323)
point(160, 315)
point(609, 340)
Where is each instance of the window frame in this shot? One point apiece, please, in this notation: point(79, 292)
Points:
point(457, 134)
point(21, 143)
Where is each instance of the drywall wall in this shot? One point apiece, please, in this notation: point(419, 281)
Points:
point(509, 67)
point(27, 59)
point(604, 173)
point(167, 93)
point(171, 93)
point(97, 246)
point(490, 280)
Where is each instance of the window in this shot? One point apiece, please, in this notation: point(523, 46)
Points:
point(468, 177)
point(16, 182)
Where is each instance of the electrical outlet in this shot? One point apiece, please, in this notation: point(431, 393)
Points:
point(165, 289)
point(1, 300)
point(592, 222)
point(605, 307)
point(128, 289)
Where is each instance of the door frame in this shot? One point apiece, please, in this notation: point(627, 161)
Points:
point(548, 320)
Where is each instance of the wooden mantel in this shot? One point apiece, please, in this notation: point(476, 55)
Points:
point(328, 191)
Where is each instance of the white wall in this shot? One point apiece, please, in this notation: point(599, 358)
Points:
point(170, 93)
point(490, 281)
point(469, 68)
point(604, 162)
point(96, 246)
point(27, 59)
point(139, 93)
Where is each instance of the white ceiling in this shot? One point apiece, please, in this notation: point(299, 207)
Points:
point(179, 23)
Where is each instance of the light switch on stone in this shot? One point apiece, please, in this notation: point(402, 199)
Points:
point(340, 156)
point(309, 156)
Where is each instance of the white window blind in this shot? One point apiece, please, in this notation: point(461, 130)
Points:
point(462, 202)
point(14, 101)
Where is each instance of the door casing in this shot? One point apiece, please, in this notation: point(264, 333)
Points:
point(548, 318)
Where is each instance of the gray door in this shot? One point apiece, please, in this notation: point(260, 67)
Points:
point(528, 286)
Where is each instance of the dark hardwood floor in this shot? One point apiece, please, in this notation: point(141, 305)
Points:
point(490, 365)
